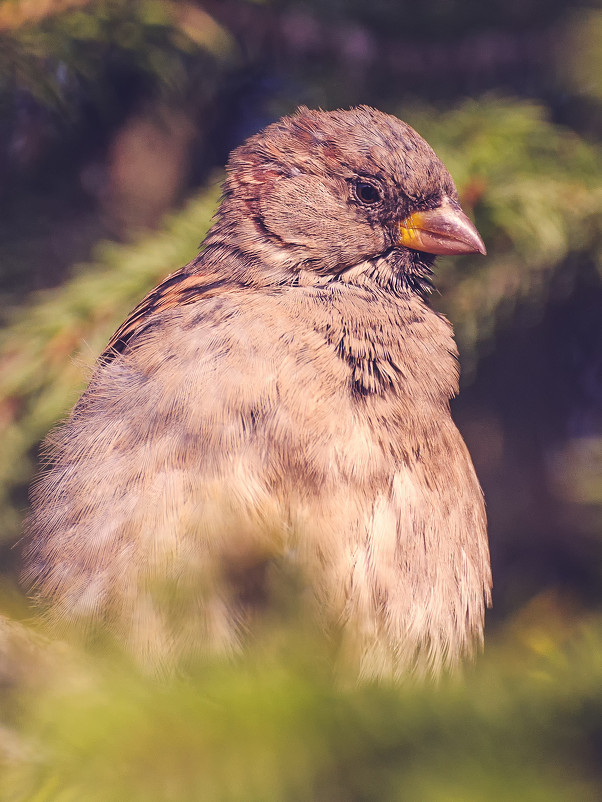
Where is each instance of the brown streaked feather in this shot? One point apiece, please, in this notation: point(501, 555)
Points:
point(179, 288)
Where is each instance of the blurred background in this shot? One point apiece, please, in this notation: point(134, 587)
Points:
point(116, 118)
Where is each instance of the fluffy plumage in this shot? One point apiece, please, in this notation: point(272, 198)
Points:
point(284, 396)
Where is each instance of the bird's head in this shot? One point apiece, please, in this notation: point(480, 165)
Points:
point(331, 190)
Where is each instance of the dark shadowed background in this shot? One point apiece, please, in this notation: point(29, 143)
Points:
point(115, 122)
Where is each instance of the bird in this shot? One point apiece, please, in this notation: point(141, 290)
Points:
point(284, 397)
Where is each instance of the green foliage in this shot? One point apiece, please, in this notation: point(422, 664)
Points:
point(275, 725)
point(50, 55)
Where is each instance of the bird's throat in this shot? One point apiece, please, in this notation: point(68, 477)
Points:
point(392, 343)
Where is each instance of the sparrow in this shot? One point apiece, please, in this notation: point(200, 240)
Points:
point(285, 396)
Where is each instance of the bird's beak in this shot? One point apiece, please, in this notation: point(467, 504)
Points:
point(445, 229)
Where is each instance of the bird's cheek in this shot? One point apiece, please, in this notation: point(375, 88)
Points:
point(282, 211)
point(301, 211)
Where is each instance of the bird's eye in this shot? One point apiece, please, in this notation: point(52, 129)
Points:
point(367, 192)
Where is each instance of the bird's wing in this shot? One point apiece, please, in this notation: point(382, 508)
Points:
point(182, 287)
point(158, 469)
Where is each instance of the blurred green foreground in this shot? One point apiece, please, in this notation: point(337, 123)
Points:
point(274, 726)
